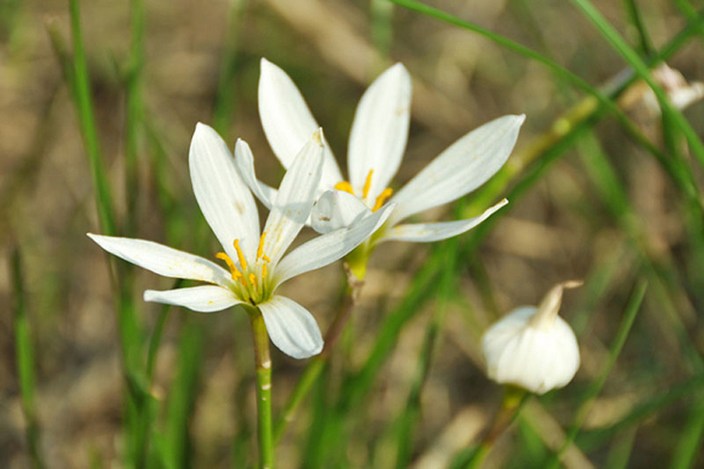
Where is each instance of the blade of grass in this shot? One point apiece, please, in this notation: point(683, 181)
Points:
point(134, 114)
point(129, 329)
point(689, 441)
point(382, 28)
point(182, 396)
point(646, 45)
point(225, 96)
point(80, 86)
point(408, 418)
point(24, 352)
point(641, 68)
point(597, 385)
point(590, 439)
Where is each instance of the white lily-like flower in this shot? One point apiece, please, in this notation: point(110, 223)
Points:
point(533, 348)
point(376, 146)
point(256, 261)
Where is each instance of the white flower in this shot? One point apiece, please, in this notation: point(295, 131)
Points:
point(376, 146)
point(256, 262)
point(533, 348)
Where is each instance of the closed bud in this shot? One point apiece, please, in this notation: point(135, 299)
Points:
point(532, 347)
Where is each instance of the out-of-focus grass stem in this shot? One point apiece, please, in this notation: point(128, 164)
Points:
point(134, 114)
point(24, 351)
point(84, 108)
point(641, 69)
point(408, 418)
point(646, 45)
point(596, 386)
point(225, 97)
point(382, 27)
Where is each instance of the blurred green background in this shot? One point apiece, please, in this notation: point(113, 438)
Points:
point(603, 187)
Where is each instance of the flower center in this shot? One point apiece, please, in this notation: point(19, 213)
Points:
point(250, 279)
point(378, 201)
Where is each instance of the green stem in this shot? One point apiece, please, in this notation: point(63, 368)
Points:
point(262, 360)
point(317, 364)
point(25, 363)
point(513, 401)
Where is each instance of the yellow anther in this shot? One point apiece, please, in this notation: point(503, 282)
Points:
point(234, 271)
point(240, 254)
point(367, 184)
point(382, 198)
point(265, 258)
point(253, 280)
point(263, 272)
point(344, 186)
point(260, 248)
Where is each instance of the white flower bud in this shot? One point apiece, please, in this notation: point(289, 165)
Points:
point(533, 348)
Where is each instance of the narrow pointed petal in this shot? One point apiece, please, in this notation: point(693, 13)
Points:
point(291, 327)
point(287, 121)
point(244, 160)
point(429, 232)
point(204, 299)
point(461, 168)
point(329, 247)
point(380, 130)
point(224, 199)
point(294, 200)
point(336, 209)
point(163, 260)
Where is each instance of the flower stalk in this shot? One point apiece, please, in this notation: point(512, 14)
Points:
point(513, 401)
point(262, 361)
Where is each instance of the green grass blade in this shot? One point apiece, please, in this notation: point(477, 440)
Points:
point(225, 97)
point(182, 396)
point(407, 420)
point(382, 27)
point(641, 68)
point(597, 385)
point(24, 351)
point(646, 44)
point(134, 114)
point(80, 87)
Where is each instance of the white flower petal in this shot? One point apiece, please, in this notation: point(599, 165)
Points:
point(244, 161)
point(224, 199)
point(380, 130)
point(328, 248)
point(294, 199)
point(535, 358)
point(336, 209)
point(163, 260)
point(287, 121)
point(461, 168)
point(291, 327)
point(429, 232)
point(204, 299)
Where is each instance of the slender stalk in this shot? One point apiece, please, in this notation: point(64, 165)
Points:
point(262, 360)
point(84, 107)
point(596, 387)
point(25, 363)
point(513, 401)
point(317, 364)
point(133, 118)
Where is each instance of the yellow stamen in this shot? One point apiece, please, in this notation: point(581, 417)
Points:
point(253, 280)
point(382, 198)
point(263, 272)
point(260, 248)
point(240, 254)
point(265, 258)
point(344, 186)
point(234, 271)
point(367, 184)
